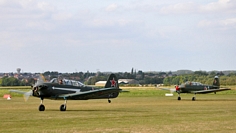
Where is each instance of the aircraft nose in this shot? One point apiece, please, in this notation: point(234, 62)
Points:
point(177, 88)
point(42, 87)
point(37, 90)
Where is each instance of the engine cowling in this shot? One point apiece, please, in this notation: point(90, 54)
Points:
point(37, 90)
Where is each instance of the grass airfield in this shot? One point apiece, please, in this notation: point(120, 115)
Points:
point(142, 110)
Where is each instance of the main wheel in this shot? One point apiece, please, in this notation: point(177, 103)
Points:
point(193, 99)
point(63, 107)
point(179, 98)
point(109, 101)
point(41, 107)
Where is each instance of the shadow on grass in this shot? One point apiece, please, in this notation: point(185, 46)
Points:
point(97, 110)
point(206, 100)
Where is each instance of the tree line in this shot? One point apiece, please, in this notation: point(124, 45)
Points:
point(201, 77)
point(12, 81)
point(144, 78)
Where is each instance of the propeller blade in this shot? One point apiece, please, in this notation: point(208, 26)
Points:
point(27, 95)
point(172, 90)
point(40, 80)
point(169, 89)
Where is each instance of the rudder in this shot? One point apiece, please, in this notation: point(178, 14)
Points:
point(112, 81)
point(216, 82)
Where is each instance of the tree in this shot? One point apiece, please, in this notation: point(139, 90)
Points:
point(10, 81)
point(132, 71)
point(201, 73)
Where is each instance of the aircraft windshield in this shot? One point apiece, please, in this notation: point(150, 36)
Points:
point(72, 82)
point(193, 83)
point(68, 82)
point(54, 80)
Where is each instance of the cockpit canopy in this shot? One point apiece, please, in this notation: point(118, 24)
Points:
point(67, 82)
point(193, 83)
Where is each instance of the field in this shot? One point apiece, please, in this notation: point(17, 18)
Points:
point(142, 110)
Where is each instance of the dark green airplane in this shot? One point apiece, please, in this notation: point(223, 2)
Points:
point(197, 88)
point(71, 90)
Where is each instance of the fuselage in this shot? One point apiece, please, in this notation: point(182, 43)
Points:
point(188, 87)
point(54, 90)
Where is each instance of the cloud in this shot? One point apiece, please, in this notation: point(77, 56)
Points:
point(221, 6)
point(205, 23)
point(111, 7)
point(44, 6)
point(9, 42)
point(179, 8)
point(229, 23)
point(103, 22)
point(19, 14)
point(62, 16)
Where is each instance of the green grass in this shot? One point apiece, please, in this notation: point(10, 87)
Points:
point(15, 87)
point(141, 110)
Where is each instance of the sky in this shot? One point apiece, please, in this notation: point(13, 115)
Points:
point(117, 35)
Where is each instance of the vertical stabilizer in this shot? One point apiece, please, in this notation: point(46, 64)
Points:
point(216, 82)
point(112, 81)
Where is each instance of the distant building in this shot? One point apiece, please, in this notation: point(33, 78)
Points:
point(100, 83)
point(128, 81)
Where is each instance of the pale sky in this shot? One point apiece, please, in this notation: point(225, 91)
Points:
point(117, 35)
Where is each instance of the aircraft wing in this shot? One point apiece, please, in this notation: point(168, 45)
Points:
point(92, 93)
point(209, 91)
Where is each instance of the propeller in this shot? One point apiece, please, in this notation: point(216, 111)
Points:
point(177, 89)
point(169, 89)
point(172, 90)
point(27, 95)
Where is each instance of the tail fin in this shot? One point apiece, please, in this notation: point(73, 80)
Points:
point(216, 82)
point(112, 81)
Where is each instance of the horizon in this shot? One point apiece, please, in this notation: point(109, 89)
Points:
point(124, 71)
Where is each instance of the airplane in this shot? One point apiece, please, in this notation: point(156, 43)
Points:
point(197, 88)
point(71, 90)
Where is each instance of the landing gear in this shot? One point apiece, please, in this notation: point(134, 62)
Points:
point(63, 106)
point(194, 97)
point(41, 106)
point(179, 98)
point(109, 101)
point(109, 96)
